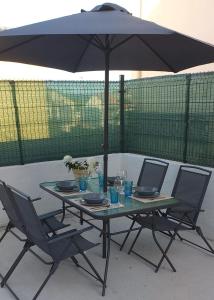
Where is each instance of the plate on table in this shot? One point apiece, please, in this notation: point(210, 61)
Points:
point(146, 191)
point(93, 198)
point(103, 203)
point(110, 180)
point(67, 186)
point(155, 195)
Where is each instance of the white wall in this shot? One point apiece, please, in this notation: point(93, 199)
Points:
point(28, 177)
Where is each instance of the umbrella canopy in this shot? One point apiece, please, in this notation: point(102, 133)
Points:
point(106, 38)
point(78, 43)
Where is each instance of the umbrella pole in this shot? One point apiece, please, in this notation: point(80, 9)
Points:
point(106, 113)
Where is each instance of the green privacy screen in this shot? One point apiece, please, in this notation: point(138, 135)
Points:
point(170, 117)
point(43, 121)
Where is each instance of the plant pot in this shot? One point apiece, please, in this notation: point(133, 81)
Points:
point(80, 173)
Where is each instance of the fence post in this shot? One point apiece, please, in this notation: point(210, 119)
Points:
point(186, 120)
point(122, 92)
point(18, 129)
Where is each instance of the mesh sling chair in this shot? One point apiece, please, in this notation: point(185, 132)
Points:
point(152, 173)
point(49, 221)
point(58, 247)
point(190, 187)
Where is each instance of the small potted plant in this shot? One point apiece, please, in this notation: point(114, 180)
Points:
point(80, 168)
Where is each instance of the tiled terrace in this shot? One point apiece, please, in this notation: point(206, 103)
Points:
point(129, 277)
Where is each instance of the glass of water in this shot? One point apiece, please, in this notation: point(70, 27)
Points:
point(122, 176)
point(118, 184)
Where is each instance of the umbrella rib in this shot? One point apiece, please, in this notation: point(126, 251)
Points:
point(122, 42)
point(99, 42)
point(20, 44)
point(86, 40)
point(158, 55)
point(83, 53)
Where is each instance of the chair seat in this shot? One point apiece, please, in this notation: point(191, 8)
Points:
point(66, 247)
point(52, 224)
point(159, 223)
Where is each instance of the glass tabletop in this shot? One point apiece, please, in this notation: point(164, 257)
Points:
point(130, 206)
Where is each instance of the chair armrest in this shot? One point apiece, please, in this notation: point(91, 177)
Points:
point(183, 209)
point(36, 199)
point(68, 234)
point(50, 214)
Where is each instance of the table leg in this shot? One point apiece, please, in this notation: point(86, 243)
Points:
point(104, 233)
point(81, 218)
point(63, 211)
point(108, 235)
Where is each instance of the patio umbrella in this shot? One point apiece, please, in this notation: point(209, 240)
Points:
point(106, 38)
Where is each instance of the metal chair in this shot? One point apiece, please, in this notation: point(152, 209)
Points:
point(190, 187)
point(49, 221)
point(152, 173)
point(58, 247)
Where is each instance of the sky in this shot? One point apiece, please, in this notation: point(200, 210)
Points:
point(191, 17)
point(15, 13)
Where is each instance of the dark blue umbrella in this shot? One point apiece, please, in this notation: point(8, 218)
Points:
point(106, 38)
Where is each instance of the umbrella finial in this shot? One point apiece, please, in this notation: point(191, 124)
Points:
point(110, 7)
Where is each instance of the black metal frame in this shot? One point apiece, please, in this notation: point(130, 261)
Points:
point(152, 161)
point(105, 230)
point(179, 224)
point(50, 240)
point(43, 219)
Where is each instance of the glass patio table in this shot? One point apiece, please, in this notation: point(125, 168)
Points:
point(128, 206)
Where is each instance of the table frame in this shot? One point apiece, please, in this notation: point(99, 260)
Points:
point(106, 230)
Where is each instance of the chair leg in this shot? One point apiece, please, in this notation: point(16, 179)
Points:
point(180, 237)
point(139, 231)
point(15, 264)
point(164, 252)
point(75, 261)
point(52, 270)
point(7, 229)
point(200, 233)
point(92, 267)
point(160, 248)
point(127, 235)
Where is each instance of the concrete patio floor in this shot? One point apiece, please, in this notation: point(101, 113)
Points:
point(128, 277)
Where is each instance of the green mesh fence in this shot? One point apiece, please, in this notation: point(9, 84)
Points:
point(169, 117)
point(154, 116)
point(200, 139)
point(42, 121)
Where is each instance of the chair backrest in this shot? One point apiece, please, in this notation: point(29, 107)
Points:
point(153, 173)
point(32, 224)
point(190, 188)
point(9, 206)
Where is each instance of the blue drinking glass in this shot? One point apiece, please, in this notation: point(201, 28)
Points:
point(83, 183)
point(128, 188)
point(114, 195)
